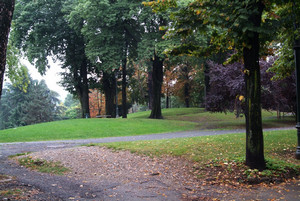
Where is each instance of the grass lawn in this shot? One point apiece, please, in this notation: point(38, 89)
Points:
point(175, 119)
point(92, 128)
point(212, 155)
point(279, 145)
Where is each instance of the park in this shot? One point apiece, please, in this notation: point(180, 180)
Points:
point(167, 100)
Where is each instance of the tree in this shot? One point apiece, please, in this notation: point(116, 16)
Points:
point(228, 89)
point(151, 49)
point(236, 25)
point(42, 30)
point(6, 15)
point(19, 108)
point(72, 110)
point(112, 31)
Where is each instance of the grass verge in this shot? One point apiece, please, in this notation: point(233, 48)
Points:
point(225, 154)
point(42, 165)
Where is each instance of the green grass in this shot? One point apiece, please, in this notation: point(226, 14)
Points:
point(208, 120)
point(43, 166)
point(92, 128)
point(279, 145)
point(175, 119)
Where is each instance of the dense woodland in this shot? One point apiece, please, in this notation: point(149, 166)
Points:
point(221, 55)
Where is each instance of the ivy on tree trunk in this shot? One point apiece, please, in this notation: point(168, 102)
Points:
point(254, 134)
point(6, 14)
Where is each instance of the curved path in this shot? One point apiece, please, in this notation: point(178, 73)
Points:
point(54, 187)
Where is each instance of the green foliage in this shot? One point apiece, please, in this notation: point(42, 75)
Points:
point(43, 166)
point(41, 30)
point(288, 14)
point(110, 34)
point(15, 71)
point(19, 108)
point(72, 108)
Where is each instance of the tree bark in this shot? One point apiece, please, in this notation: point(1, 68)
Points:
point(254, 134)
point(157, 79)
point(124, 82)
point(185, 71)
point(167, 99)
point(150, 89)
point(6, 14)
point(109, 88)
point(84, 90)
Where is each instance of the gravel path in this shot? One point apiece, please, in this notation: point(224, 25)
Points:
point(101, 174)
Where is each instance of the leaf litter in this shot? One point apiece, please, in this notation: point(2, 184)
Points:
point(216, 180)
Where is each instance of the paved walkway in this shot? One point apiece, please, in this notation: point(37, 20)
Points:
point(71, 187)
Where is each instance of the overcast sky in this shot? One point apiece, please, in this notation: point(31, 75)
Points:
point(52, 77)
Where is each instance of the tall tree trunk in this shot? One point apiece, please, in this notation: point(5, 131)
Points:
point(254, 134)
point(150, 89)
point(6, 14)
point(186, 87)
point(109, 88)
point(167, 99)
point(206, 82)
point(124, 84)
point(157, 79)
point(84, 90)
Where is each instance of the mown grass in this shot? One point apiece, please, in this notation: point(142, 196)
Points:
point(92, 128)
point(208, 120)
point(225, 153)
point(175, 119)
point(279, 145)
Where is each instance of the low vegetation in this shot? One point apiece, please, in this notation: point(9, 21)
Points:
point(42, 165)
point(175, 119)
point(225, 153)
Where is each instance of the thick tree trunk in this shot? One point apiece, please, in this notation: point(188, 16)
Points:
point(157, 79)
point(150, 89)
point(254, 134)
point(109, 88)
point(6, 14)
point(84, 91)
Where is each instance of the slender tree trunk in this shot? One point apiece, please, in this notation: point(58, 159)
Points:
point(157, 79)
point(109, 88)
point(150, 89)
point(206, 82)
point(167, 99)
point(187, 94)
point(6, 14)
point(186, 86)
point(254, 134)
point(124, 84)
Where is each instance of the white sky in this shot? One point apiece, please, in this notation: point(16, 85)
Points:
point(52, 77)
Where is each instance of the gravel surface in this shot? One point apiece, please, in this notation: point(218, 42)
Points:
point(102, 174)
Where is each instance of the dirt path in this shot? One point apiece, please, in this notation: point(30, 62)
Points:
point(100, 174)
